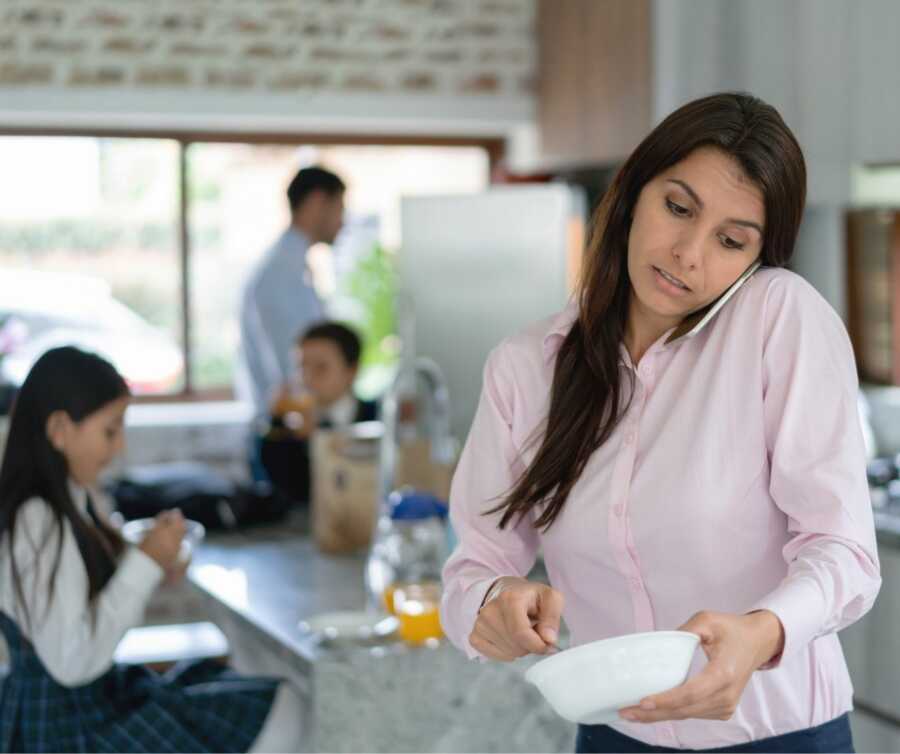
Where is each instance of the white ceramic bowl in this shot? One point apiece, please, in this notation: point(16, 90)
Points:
point(135, 531)
point(591, 683)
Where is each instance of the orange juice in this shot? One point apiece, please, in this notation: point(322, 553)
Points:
point(297, 413)
point(389, 598)
point(417, 607)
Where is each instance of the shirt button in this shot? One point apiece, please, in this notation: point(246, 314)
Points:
point(635, 584)
point(619, 510)
point(629, 438)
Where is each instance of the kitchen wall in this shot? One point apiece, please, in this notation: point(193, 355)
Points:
point(448, 66)
point(825, 64)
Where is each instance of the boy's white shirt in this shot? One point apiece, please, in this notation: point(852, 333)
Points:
point(75, 640)
point(342, 412)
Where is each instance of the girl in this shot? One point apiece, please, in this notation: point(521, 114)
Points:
point(70, 588)
point(669, 471)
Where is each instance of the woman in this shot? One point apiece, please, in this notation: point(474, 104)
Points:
point(667, 472)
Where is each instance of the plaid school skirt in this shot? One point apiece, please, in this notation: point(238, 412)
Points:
point(196, 707)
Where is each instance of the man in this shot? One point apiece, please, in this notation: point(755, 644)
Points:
point(279, 300)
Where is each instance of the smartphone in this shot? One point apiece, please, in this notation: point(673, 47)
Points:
point(697, 321)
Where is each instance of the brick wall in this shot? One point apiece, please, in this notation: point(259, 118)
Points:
point(440, 48)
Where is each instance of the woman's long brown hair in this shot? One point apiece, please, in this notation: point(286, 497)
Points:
point(588, 389)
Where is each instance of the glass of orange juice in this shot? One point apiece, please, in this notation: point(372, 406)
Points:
point(389, 592)
point(417, 607)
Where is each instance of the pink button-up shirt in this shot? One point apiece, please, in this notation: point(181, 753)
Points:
point(735, 481)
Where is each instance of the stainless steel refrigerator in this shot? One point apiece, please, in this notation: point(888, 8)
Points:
point(480, 267)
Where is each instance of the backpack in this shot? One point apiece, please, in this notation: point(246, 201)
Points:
point(200, 492)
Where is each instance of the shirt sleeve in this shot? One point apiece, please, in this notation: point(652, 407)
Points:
point(488, 468)
point(817, 469)
point(279, 304)
point(258, 345)
point(74, 638)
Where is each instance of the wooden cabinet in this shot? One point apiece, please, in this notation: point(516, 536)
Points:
point(594, 79)
point(873, 281)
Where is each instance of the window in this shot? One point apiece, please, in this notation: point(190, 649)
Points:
point(89, 254)
point(97, 248)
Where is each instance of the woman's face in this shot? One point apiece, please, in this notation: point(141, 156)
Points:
point(696, 227)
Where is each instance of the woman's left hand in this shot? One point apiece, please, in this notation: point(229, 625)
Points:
point(737, 646)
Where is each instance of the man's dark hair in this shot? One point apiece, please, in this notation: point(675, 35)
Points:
point(309, 180)
point(343, 337)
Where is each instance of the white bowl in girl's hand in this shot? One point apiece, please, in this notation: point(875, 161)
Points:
point(134, 531)
point(591, 683)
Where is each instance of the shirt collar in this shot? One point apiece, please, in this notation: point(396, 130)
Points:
point(562, 323)
point(294, 240)
point(559, 329)
point(342, 412)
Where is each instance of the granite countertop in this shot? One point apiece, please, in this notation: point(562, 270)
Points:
point(391, 697)
point(273, 577)
point(265, 580)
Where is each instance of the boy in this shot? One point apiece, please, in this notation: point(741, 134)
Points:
point(327, 357)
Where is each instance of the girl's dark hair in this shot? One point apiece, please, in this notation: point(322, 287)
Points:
point(78, 383)
point(587, 386)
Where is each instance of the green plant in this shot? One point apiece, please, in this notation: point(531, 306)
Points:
point(372, 286)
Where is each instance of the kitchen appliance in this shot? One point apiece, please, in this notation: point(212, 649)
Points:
point(481, 267)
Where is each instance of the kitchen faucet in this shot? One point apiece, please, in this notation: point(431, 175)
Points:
point(438, 424)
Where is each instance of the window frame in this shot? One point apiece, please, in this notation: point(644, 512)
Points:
point(493, 146)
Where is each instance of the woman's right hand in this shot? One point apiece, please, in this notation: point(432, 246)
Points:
point(163, 542)
point(520, 617)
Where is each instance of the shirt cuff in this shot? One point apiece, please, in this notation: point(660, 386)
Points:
point(139, 571)
point(798, 605)
point(471, 604)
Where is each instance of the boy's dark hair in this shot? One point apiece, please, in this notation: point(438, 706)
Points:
point(309, 180)
point(341, 335)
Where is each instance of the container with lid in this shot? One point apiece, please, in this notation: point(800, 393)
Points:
point(409, 547)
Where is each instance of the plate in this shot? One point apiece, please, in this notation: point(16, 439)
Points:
point(350, 626)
